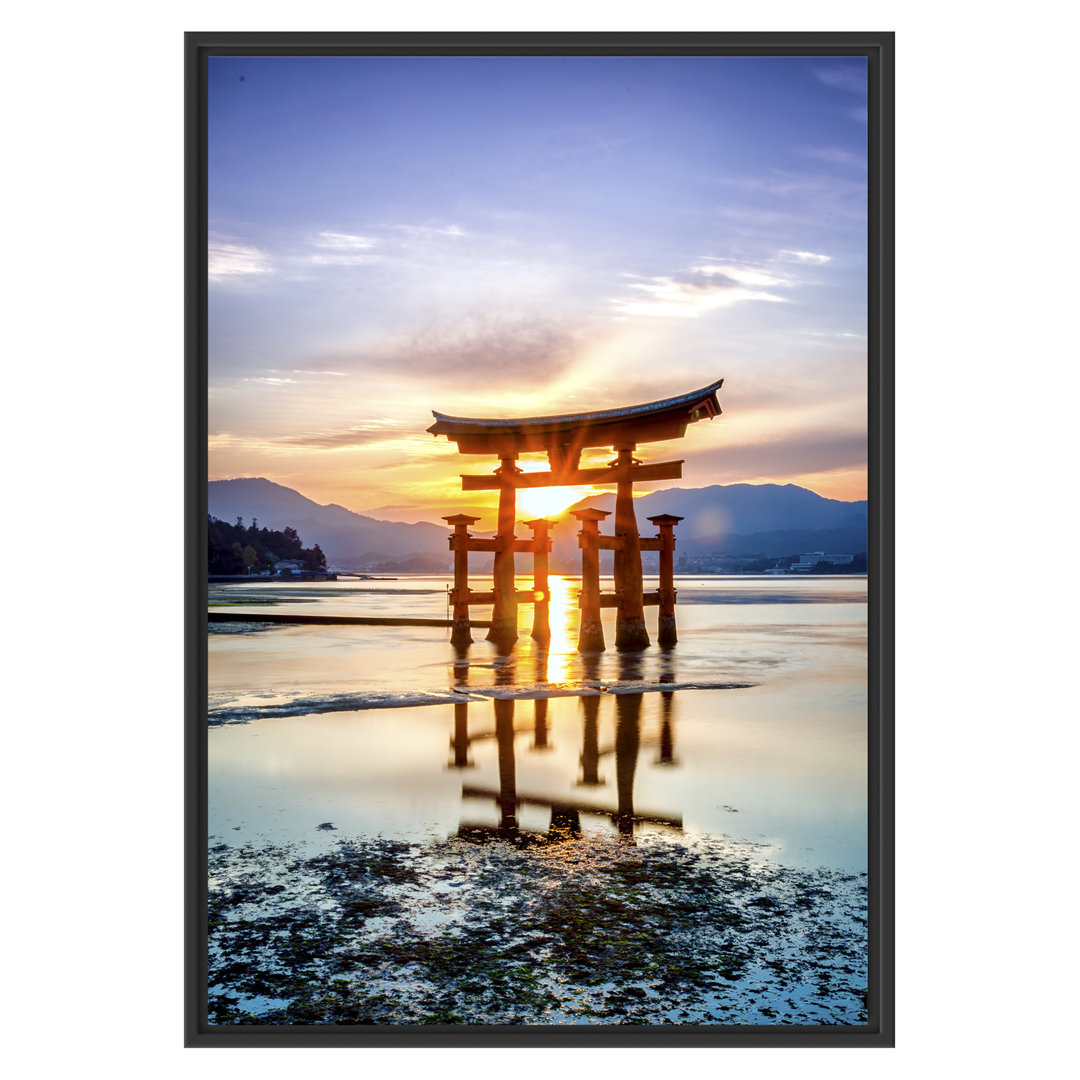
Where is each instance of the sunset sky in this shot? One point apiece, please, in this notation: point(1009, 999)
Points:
point(524, 236)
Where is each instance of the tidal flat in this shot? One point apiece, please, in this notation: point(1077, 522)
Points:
point(545, 931)
point(401, 835)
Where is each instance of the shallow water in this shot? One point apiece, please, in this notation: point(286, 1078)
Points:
point(750, 733)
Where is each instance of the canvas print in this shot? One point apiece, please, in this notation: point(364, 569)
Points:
point(537, 557)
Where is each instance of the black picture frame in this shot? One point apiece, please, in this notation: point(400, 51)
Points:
point(878, 49)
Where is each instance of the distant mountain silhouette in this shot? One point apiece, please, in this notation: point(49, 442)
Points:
point(771, 520)
point(763, 519)
point(348, 539)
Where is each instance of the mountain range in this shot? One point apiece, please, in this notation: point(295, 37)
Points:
point(764, 519)
point(771, 520)
point(349, 540)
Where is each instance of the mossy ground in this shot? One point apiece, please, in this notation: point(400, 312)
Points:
point(577, 930)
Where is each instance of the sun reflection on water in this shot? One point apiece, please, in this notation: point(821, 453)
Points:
point(563, 619)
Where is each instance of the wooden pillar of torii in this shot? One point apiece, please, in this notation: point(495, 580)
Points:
point(504, 613)
point(590, 629)
point(630, 632)
point(541, 548)
point(563, 438)
point(505, 596)
point(666, 598)
point(461, 632)
point(629, 598)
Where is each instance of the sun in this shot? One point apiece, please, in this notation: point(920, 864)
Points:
point(548, 502)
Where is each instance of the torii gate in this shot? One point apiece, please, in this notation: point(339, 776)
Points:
point(563, 438)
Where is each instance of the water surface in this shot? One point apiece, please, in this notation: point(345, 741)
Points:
point(748, 737)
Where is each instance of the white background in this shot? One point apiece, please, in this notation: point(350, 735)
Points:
point(986, 390)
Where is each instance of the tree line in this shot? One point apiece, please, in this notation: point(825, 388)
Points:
point(248, 549)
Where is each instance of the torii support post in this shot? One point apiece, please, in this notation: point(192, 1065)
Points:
point(627, 744)
point(460, 740)
point(504, 737)
point(666, 524)
point(591, 631)
point(630, 632)
point(667, 735)
point(503, 630)
point(540, 724)
point(590, 742)
point(541, 545)
point(461, 634)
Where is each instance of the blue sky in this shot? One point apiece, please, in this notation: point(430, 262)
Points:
point(524, 235)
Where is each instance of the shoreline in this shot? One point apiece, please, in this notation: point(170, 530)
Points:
point(223, 715)
point(332, 620)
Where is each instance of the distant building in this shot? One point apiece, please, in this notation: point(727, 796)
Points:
point(703, 564)
point(804, 563)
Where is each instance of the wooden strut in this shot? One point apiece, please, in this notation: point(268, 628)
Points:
point(591, 600)
point(461, 596)
point(617, 473)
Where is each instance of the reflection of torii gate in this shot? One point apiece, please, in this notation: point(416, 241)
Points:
point(563, 438)
point(566, 813)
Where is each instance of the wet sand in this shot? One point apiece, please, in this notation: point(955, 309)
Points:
point(729, 772)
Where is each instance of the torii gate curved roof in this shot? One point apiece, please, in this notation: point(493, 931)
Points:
point(653, 421)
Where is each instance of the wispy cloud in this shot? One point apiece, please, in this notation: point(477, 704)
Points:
point(805, 198)
point(487, 350)
point(805, 257)
point(740, 275)
point(226, 259)
point(231, 441)
point(366, 434)
point(427, 231)
point(706, 287)
point(808, 451)
point(344, 241)
point(477, 271)
point(835, 155)
point(394, 449)
point(849, 77)
point(831, 335)
point(342, 249)
point(327, 249)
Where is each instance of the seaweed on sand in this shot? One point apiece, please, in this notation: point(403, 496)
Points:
point(565, 931)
